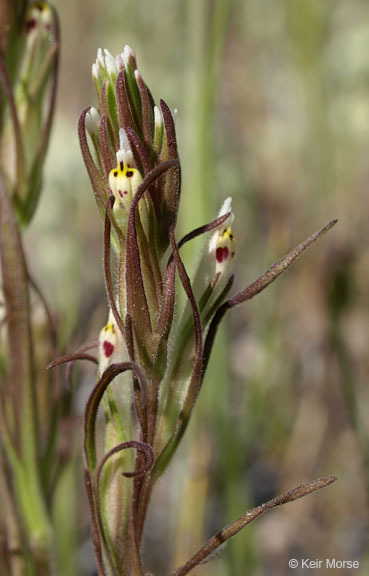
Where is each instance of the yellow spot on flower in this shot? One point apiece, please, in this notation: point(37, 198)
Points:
point(108, 341)
point(42, 6)
point(109, 328)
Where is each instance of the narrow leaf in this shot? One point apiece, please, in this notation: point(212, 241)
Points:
point(124, 112)
point(172, 186)
point(168, 299)
point(195, 382)
point(136, 297)
point(232, 529)
point(72, 358)
point(139, 150)
point(146, 110)
point(258, 286)
point(99, 187)
point(140, 447)
point(95, 533)
point(107, 156)
point(278, 268)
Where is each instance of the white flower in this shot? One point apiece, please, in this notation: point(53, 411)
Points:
point(111, 344)
point(124, 181)
point(222, 245)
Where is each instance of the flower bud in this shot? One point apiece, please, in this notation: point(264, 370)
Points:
point(158, 130)
point(105, 67)
point(129, 57)
point(93, 122)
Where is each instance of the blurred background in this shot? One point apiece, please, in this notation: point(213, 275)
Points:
point(273, 109)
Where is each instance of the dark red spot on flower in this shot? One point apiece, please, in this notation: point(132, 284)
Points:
point(31, 24)
point(115, 173)
point(221, 254)
point(108, 348)
point(125, 192)
point(129, 173)
point(121, 165)
point(120, 193)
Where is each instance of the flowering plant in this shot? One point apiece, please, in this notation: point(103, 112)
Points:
point(130, 150)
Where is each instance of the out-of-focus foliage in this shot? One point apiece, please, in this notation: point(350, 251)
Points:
point(291, 138)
